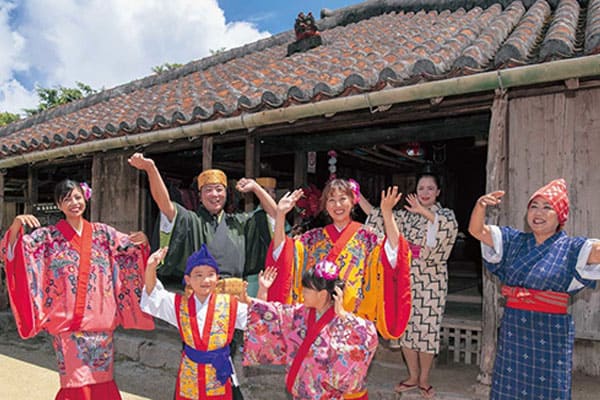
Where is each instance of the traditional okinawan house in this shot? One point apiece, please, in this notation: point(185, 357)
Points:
point(492, 94)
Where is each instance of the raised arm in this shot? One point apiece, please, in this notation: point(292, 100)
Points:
point(20, 220)
point(594, 257)
point(389, 198)
point(477, 226)
point(150, 274)
point(364, 204)
point(246, 185)
point(265, 280)
point(159, 191)
point(286, 203)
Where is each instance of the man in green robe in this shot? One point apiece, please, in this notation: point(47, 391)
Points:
point(184, 231)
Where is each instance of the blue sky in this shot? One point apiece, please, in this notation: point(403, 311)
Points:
point(105, 43)
point(277, 15)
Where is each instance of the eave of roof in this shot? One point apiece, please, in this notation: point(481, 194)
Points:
point(581, 67)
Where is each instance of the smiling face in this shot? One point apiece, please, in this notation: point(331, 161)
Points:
point(339, 205)
point(213, 197)
point(73, 204)
point(203, 281)
point(542, 218)
point(427, 191)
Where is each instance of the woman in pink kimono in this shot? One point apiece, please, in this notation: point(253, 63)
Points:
point(78, 281)
point(327, 349)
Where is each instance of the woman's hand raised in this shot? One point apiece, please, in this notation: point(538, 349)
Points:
point(288, 201)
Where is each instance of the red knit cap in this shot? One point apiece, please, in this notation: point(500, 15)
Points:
point(557, 195)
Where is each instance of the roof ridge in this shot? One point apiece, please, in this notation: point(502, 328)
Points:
point(372, 8)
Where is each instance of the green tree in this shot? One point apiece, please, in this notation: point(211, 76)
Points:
point(52, 97)
point(166, 67)
point(214, 52)
point(6, 118)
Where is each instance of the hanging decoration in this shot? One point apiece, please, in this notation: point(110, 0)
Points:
point(413, 149)
point(332, 164)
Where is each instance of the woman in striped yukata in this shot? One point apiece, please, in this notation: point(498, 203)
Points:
point(539, 271)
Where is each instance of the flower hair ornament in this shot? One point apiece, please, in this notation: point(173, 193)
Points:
point(87, 190)
point(355, 189)
point(327, 270)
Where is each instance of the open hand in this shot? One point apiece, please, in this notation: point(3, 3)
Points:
point(414, 205)
point(288, 201)
point(157, 257)
point(267, 277)
point(389, 198)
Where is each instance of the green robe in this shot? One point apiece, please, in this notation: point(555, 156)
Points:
point(258, 238)
point(224, 237)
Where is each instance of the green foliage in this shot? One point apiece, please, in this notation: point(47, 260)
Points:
point(217, 51)
point(52, 97)
point(6, 118)
point(159, 69)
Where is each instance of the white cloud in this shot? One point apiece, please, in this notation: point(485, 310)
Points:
point(105, 43)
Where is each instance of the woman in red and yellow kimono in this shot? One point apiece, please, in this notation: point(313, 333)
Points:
point(376, 273)
point(77, 281)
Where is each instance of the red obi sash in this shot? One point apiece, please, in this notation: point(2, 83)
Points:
point(545, 301)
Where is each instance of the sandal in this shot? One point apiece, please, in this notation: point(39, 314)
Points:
point(427, 392)
point(404, 387)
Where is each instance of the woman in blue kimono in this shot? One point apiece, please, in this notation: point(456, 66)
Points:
point(539, 271)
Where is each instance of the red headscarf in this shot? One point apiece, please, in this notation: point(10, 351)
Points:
point(557, 195)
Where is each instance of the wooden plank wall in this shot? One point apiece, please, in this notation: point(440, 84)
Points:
point(116, 197)
point(551, 136)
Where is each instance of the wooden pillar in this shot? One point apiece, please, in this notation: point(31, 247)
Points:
point(116, 193)
point(497, 173)
point(300, 164)
point(207, 152)
point(31, 194)
point(252, 167)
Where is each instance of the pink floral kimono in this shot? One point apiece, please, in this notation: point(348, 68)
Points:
point(327, 357)
point(78, 289)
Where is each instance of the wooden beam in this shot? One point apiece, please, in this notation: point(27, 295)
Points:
point(207, 152)
point(31, 194)
point(250, 169)
point(370, 159)
point(378, 155)
point(497, 173)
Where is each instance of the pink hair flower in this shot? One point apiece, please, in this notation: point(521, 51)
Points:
point(327, 270)
point(355, 189)
point(87, 190)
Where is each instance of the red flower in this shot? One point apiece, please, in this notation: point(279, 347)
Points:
point(308, 205)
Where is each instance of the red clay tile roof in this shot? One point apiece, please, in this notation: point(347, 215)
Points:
point(365, 48)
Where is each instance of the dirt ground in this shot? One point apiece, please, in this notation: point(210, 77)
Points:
point(28, 370)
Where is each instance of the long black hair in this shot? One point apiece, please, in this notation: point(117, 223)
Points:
point(64, 188)
point(314, 282)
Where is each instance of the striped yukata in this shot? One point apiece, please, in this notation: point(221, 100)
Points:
point(534, 357)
